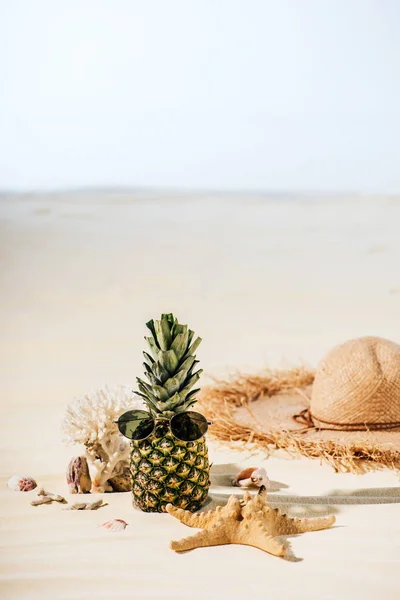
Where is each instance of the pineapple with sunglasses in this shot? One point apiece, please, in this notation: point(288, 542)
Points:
point(169, 459)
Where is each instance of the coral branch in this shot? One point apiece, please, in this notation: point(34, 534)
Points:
point(91, 421)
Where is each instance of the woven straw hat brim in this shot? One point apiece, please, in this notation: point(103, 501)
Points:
point(259, 410)
point(276, 414)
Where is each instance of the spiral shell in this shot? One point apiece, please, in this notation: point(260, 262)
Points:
point(259, 477)
point(252, 477)
point(115, 525)
point(21, 483)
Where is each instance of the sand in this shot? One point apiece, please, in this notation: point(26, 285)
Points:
point(273, 282)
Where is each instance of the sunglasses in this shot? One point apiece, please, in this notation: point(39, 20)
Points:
point(186, 426)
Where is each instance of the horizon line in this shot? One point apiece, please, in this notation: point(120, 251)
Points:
point(167, 190)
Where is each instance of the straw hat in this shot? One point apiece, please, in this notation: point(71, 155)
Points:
point(347, 412)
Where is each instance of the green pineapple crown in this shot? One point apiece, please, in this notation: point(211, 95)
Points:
point(170, 367)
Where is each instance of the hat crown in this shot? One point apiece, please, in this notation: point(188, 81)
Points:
point(357, 386)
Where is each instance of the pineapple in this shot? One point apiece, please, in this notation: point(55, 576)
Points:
point(165, 469)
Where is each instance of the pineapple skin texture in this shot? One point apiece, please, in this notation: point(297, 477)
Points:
point(166, 470)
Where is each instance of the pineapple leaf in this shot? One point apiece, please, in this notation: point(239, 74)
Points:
point(168, 360)
point(148, 396)
point(147, 390)
point(150, 375)
point(190, 383)
point(187, 405)
point(148, 402)
point(147, 387)
point(160, 392)
point(169, 367)
point(180, 344)
point(173, 402)
point(150, 325)
point(189, 401)
point(163, 334)
point(178, 328)
point(154, 349)
point(187, 365)
point(149, 358)
point(192, 349)
point(147, 368)
point(192, 393)
point(168, 317)
point(161, 373)
point(190, 372)
point(173, 384)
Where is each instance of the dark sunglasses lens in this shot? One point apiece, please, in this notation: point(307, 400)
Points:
point(136, 424)
point(189, 426)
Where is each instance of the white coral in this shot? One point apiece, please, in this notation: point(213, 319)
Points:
point(90, 421)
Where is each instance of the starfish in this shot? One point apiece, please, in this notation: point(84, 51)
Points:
point(252, 522)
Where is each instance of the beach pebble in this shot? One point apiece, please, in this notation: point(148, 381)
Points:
point(122, 482)
point(52, 497)
point(41, 500)
point(88, 505)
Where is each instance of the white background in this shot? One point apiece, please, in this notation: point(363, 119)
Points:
point(288, 95)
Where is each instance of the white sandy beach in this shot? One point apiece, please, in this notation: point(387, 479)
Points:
point(274, 282)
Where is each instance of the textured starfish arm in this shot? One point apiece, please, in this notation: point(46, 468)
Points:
point(279, 524)
point(199, 520)
point(209, 537)
point(231, 510)
point(302, 525)
point(253, 533)
point(246, 498)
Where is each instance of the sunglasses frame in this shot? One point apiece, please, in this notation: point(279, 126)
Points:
point(169, 419)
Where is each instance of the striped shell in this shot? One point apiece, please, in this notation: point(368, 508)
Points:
point(115, 525)
point(21, 483)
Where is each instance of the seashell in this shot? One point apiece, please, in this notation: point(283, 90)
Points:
point(252, 477)
point(21, 483)
point(115, 525)
point(78, 476)
point(244, 477)
point(260, 477)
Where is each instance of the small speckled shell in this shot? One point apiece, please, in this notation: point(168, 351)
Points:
point(115, 525)
point(21, 483)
